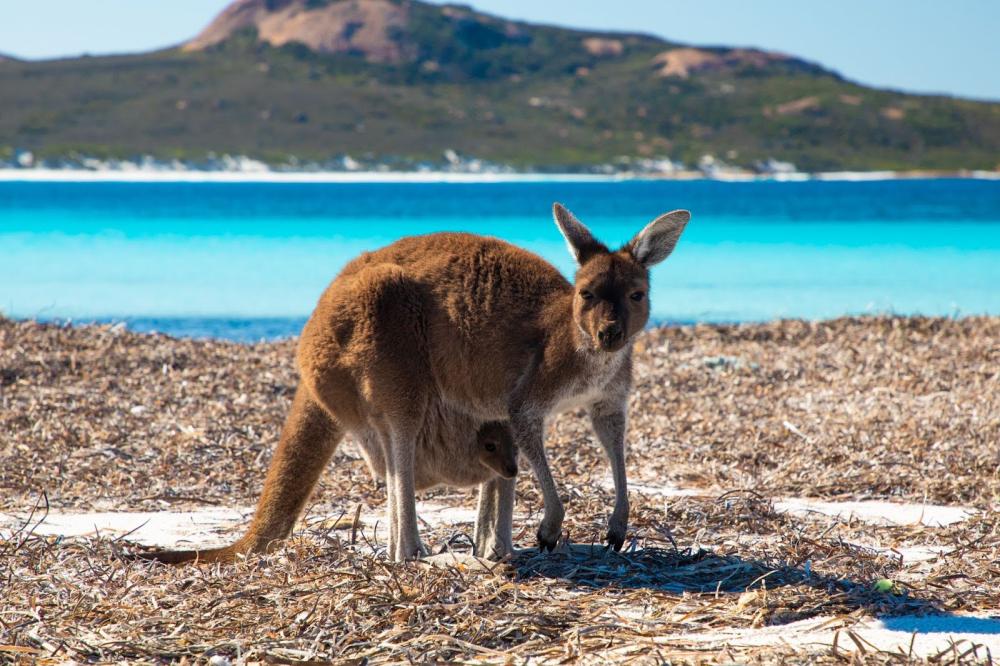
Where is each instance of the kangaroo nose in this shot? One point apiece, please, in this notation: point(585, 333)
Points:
point(610, 334)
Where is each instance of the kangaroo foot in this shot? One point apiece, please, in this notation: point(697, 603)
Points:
point(615, 538)
point(547, 541)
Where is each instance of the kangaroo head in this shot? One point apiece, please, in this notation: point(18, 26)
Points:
point(611, 290)
point(496, 449)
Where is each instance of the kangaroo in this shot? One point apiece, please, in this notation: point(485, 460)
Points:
point(447, 453)
point(491, 331)
point(496, 450)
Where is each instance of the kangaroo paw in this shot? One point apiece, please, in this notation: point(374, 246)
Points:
point(615, 538)
point(546, 543)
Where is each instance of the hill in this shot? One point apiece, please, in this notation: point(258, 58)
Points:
point(400, 81)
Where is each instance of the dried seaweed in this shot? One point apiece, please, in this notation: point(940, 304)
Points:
point(96, 417)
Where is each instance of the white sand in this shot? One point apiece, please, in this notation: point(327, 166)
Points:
point(170, 176)
point(265, 176)
point(662, 491)
point(175, 529)
point(930, 635)
point(203, 527)
point(214, 526)
point(878, 513)
point(911, 555)
point(874, 512)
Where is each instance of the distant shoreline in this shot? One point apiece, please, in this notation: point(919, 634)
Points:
point(250, 330)
point(302, 177)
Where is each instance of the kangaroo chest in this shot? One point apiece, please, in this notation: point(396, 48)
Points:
point(598, 377)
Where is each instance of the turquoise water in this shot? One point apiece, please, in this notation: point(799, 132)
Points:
point(248, 260)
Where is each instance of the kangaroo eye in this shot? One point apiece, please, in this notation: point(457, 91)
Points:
point(491, 447)
point(586, 295)
point(637, 296)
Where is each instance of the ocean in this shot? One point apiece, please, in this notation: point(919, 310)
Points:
point(247, 261)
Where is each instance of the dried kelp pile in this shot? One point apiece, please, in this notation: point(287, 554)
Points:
point(98, 418)
point(887, 407)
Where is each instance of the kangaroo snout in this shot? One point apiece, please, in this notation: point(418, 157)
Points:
point(611, 334)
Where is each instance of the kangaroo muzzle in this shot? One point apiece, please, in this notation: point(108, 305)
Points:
point(611, 336)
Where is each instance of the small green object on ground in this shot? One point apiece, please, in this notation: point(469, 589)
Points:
point(884, 585)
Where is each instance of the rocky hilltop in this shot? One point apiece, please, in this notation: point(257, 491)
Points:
point(401, 32)
point(405, 84)
point(366, 27)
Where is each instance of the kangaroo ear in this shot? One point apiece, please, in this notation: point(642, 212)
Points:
point(581, 243)
point(655, 243)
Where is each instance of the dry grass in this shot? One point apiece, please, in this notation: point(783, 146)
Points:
point(100, 418)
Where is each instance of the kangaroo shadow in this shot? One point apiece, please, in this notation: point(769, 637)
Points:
point(702, 571)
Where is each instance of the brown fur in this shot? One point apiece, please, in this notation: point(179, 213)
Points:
point(471, 324)
point(496, 449)
point(449, 453)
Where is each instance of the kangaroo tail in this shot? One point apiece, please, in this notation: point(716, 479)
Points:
point(308, 440)
point(227, 554)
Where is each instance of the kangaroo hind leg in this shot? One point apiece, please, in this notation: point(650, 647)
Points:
point(404, 543)
point(494, 521)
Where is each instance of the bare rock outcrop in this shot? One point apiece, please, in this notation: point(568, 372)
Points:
point(364, 27)
point(685, 61)
point(603, 47)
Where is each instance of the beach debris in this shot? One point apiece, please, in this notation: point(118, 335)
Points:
point(722, 362)
point(885, 586)
point(768, 551)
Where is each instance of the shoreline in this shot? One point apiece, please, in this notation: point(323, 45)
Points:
point(347, 177)
point(269, 330)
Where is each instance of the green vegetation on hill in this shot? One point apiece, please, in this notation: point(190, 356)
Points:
point(530, 96)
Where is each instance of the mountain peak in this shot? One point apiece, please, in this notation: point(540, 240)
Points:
point(440, 42)
point(455, 42)
point(364, 27)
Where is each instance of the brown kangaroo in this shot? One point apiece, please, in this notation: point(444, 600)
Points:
point(496, 451)
point(447, 452)
point(475, 325)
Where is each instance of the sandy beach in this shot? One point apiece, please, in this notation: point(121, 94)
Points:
point(268, 176)
point(779, 474)
point(46, 175)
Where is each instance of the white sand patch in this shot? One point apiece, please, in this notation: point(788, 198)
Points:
point(436, 515)
point(662, 491)
point(913, 555)
point(878, 513)
point(874, 512)
point(857, 176)
point(205, 527)
point(194, 176)
point(176, 529)
point(928, 635)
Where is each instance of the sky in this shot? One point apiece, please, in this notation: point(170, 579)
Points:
point(913, 45)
